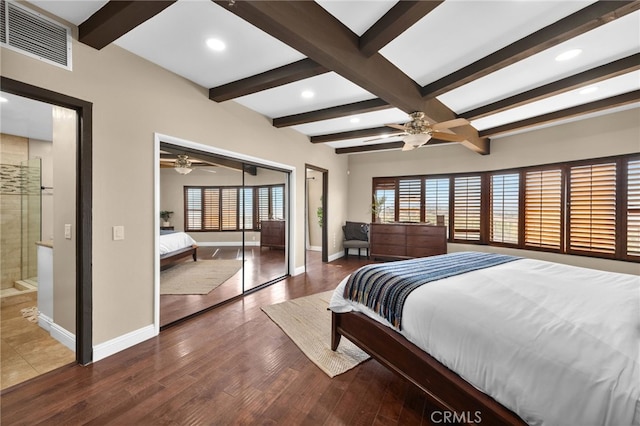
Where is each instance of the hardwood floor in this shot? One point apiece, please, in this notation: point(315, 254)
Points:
point(261, 265)
point(231, 365)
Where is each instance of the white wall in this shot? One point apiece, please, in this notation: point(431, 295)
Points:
point(612, 134)
point(132, 100)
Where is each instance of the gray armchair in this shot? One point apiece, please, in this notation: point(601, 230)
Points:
point(356, 235)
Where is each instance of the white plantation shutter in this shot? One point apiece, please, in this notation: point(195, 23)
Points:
point(543, 209)
point(409, 200)
point(504, 221)
point(193, 207)
point(436, 199)
point(467, 207)
point(633, 208)
point(592, 208)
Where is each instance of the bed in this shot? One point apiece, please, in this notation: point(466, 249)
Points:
point(175, 246)
point(519, 342)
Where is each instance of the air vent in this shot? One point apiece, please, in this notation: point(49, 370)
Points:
point(35, 35)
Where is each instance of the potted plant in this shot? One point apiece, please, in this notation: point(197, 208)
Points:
point(377, 206)
point(165, 215)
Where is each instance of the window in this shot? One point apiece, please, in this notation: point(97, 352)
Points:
point(633, 208)
point(231, 208)
point(270, 202)
point(586, 207)
point(505, 190)
point(466, 208)
point(409, 200)
point(543, 209)
point(385, 190)
point(592, 208)
point(436, 198)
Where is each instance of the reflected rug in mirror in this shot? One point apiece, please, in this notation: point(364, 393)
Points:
point(199, 277)
point(307, 322)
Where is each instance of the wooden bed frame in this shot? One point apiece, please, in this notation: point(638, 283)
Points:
point(443, 387)
point(174, 256)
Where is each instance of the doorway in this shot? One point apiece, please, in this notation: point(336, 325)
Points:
point(316, 211)
point(67, 129)
point(233, 212)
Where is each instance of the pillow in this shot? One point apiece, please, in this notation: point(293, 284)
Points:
point(356, 231)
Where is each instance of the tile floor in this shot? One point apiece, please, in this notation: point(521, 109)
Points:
point(26, 349)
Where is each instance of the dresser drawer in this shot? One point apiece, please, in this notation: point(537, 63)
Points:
point(387, 229)
point(388, 239)
point(435, 231)
point(425, 241)
point(388, 250)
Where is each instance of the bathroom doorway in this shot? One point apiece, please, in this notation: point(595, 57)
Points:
point(30, 145)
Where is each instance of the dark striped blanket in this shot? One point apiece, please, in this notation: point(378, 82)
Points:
point(384, 287)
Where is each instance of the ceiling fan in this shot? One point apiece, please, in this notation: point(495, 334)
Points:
point(419, 131)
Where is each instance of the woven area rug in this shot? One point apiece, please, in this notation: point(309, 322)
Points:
point(199, 277)
point(308, 323)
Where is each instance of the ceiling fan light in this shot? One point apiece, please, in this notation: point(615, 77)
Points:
point(417, 139)
point(183, 165)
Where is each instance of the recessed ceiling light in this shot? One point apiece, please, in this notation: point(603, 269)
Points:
point(3, 99)
point(307, 94)
point(569, 54)
point(355, 120)
point(588, 90)
point(216, 44)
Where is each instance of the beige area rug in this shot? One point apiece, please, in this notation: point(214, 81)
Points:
point(308, 323)
point(199, 277)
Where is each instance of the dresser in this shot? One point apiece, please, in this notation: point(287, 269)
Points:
point(407, 240)
point(272, 233)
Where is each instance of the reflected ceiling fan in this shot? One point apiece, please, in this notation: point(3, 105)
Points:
point(419, 131)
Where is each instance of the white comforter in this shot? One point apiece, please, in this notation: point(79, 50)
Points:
point(556, 344)
point(175, 241)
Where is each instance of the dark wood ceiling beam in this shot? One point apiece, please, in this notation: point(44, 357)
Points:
point(396, 21)
point(591, 107)
point(346, 110)
point(592, 76)
point(285, 74)
point(115, 19)
point(311, 30)
point(369, 148)
point(584, 20)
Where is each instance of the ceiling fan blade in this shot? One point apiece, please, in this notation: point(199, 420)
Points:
point(397, 126)
point(449, 137)
point(451, 123)
point(390, 135)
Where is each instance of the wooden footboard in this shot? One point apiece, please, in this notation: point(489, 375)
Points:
point(443, 387)
point(174, 256)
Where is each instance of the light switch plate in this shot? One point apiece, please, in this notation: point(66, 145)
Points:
point(118, 233)
point(67, 231)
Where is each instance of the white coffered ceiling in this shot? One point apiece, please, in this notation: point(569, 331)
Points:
point(452, 36)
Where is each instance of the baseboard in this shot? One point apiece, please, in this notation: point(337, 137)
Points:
point(123, 342)
point(299, 270)
point(336, 256)
point(315, 248)
point(63, 336)
point(45, 322)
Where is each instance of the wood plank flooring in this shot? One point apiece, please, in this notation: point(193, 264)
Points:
point(261, 265)
point(231, 365)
